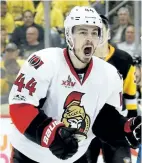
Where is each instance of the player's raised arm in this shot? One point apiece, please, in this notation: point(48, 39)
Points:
point(111, 126)
point(26, 99)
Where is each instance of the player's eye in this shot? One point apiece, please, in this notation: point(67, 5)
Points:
point(83, 33)
point(95, 33)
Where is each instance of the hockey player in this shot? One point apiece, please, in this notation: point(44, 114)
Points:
point(124, 64)
point(61, 96)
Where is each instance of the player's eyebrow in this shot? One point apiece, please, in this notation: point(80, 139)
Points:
point(82, 29)
point(95, 29)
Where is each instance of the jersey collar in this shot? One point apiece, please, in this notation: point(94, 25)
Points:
point(72, 69)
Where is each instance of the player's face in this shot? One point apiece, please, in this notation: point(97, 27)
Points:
point(85, 40)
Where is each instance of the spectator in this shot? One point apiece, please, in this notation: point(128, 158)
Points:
point(4, 87)
point(11, 68)
point(11, 52)
point(56, 40)
point(66, 6)
point(10, 65)
point(7, 20)
point(19, 34)
point(3, 41)
point(118, 31)
point(55, 21)
point(33, 44)
point(129, 44)
point(98, 5)
point(16, 8)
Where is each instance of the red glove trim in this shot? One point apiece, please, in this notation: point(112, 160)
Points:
point(49, 133)
point(127, 125)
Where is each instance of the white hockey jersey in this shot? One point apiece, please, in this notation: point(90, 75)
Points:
point(49, 74)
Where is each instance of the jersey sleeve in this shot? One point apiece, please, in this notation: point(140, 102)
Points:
point(130, 89)
point(32, 84)
point(115, 99)
point(109, 123)
point(29, 92)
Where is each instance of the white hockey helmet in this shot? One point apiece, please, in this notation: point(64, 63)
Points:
point(81, 16)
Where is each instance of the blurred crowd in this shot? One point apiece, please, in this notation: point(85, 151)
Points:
point(23, 27)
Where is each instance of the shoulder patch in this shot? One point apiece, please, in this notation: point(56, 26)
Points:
point(35, 61)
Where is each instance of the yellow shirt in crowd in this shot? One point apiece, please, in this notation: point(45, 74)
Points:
point(56, 16)
point(8, 23)
point(4, 86)
point(16, 8)
point(66, 6)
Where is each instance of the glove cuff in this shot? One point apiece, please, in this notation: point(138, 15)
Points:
point(49, 132)
point(127, 125)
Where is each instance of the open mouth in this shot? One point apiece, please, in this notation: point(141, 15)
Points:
point(87, 51)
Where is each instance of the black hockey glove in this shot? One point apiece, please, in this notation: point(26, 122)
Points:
point(65, 145)
point(60, 140)
point(132, 129)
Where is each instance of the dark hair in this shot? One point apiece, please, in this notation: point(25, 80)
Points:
point(105, 21)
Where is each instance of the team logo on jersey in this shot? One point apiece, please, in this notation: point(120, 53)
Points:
point(68, 83)
point(74, 115)
point(35, 61)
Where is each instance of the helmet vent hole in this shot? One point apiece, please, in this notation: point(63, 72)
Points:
point(86, 21)
point(94, 22)
point(77, 18)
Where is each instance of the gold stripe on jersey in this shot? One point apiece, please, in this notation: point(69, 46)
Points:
point(131, 107)
point(129, 82)
point(131, 104)
point(111, 52)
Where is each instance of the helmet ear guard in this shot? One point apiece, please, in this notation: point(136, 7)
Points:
point(69, 39)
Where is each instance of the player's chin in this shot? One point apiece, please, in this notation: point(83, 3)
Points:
point(87, 59)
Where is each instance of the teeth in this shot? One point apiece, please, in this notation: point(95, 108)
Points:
point(87, 54)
